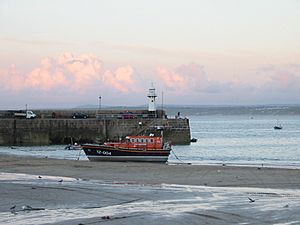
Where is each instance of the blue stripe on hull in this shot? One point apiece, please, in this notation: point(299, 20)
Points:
point(128, 158)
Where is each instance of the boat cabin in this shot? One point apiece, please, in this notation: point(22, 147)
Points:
point(144, 142)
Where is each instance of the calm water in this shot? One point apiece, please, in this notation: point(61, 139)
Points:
point(243, 140)
point(221, 139)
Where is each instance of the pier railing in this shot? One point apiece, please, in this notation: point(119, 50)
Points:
point(126, 116)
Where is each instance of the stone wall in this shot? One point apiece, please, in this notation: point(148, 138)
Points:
point(45, 131)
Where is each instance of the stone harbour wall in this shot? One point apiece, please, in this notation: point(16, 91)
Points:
point(47, 131)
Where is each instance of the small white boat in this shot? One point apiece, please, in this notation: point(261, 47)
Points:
point(73, 147)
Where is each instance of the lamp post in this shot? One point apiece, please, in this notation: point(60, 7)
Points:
point(162, 105)
point(99, 107)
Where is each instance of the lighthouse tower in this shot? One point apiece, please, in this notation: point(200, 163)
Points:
point(151, 96)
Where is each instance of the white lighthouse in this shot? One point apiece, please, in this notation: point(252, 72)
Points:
point(151, 96)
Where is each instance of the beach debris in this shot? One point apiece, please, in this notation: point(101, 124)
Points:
point(33, 187)
point(258, 168)
point(26, 207)
point(105, 217)
point(13, 209)
point(251, 200)
point(223, 164)
point(29, 208)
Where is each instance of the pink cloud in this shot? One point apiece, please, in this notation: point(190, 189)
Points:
point(46, 77)
point(283, 79)
point(11, 78)
point(185, 77)
point(76, 73)
point(122, 79)
point(190, 78)
point(85, 69)
point(171, 80)
point(84, 76)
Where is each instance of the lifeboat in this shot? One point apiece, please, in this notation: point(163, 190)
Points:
point(132, 148)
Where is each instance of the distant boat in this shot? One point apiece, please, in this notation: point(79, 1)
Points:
point(194, 140)
point(73, 147)
point(277, 126)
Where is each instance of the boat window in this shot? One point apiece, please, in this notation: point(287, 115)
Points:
point(142, 140)
point(151, 140)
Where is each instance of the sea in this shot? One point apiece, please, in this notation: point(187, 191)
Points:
point(222, 139)
point(243, 140)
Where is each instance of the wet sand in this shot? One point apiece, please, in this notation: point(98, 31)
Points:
point(138, 193)
point(149, 173)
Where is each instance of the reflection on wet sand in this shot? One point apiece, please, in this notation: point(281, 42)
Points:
point(76, 201)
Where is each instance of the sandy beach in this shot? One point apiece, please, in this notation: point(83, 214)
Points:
point(83, 192)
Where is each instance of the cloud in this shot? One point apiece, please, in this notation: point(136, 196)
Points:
point(76, 73)
point(46, 77)
point(82, 70)
point(283, 79)
point(295, 66)
point(11, 79)
point(191, 78)
point(79, 78)
point(122, 79)
point(172, 80)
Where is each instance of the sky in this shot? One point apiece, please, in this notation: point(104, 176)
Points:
point(65, 53)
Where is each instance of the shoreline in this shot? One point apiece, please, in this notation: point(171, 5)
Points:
point(174, 161)
point(155, 173)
